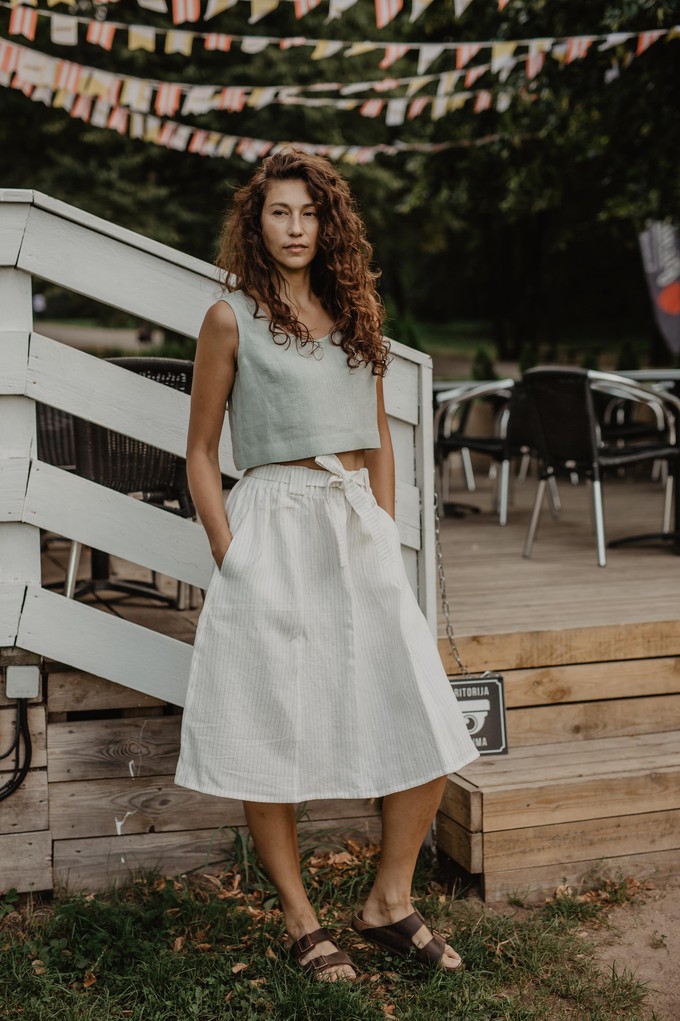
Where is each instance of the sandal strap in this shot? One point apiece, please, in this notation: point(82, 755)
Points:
point(322, 962)
point(399, 937)
point(308, 941)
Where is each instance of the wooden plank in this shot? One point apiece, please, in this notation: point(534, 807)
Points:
point(580, 722)
point(26, 810)
point(13, 220)
point(36, 726)
point(535, 884)
point(11, 600)
point(97, 516)
point(596, 757)
point(560, 647)
point(26, 861)
point(95, 862)
point(97, 808)
point(617, 679)
point(125, 275)
point(97, 749)
point(581, 840)
point(16, 301)
point(13, 482)
point(125, 806)
point(13, 360)
point(462, 802)
point(461, 845)
point(102, 644)
point(648, 789)
point(72, 690)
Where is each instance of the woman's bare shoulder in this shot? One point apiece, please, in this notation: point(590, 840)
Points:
point(220, 329)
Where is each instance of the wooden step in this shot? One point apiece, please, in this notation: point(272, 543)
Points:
point(563, 806)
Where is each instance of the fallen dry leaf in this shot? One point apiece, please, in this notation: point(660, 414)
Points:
point(178, 944)
point(258, 981)
point(89, 980)
point(270, 954)
point(203, 947)
point(241, 966)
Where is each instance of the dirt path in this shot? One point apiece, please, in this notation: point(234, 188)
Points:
point(644, 938)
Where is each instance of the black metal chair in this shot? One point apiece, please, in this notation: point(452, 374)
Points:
point(569, 437)
point(513, 437)
point(128, 465)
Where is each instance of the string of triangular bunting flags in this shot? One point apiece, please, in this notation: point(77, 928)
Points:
point(186, 138)
point(30, 67)
point(186, 11)
point(504, 53)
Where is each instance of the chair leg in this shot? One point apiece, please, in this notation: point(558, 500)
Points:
point(524, 468)
point(72, 570)
point(599, 522)
point(468, 470)
point(536, 513)
point(504, 492)
point(668, 502)
point(554, 493)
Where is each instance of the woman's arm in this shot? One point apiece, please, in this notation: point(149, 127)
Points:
point(214, 370)
point(380, 462)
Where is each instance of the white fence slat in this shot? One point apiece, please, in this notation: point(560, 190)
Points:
point(401, 387)
point(13, 481)
point(11, 600)
point(17, 427)
point(126, 277)
point(20, 554)
point(13, 219)
point(114, 397)
point(98, 225)
point(105, 645)
point(116, 523)
point(424, 449)
point(16, 303)
point(13, 359)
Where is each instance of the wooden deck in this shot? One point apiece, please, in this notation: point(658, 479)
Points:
point(591, 784)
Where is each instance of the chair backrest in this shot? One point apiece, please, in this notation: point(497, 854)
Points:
point(56, 442)
point(565, 417)
point(126, 464)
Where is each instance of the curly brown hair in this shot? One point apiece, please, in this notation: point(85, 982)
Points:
point(341, 274)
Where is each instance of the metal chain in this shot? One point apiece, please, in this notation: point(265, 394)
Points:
point(442, 588)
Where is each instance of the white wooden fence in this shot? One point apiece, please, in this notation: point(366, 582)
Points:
point(48, 239)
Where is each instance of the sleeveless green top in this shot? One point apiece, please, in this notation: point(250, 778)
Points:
point(287, 404)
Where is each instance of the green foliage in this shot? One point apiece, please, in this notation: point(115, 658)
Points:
point(532, 215)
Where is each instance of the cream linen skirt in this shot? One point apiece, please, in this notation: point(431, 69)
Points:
point(314, 672)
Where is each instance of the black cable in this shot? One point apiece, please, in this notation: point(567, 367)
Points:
point(21, 732)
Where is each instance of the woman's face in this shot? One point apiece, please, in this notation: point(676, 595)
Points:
point(290, 225)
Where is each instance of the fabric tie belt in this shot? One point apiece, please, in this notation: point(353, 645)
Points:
point(354, 485)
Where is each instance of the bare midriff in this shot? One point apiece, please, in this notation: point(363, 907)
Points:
point(351, 460)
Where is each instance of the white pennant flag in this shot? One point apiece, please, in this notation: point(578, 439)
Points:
point(614, 39)
point(460, 6)
point(254, 43)
point(159, 6)
point(396, 112)
point(100, 114)
point(417, 8)
point(64, 30)
point(199, 99)
point(216, 7)
point(428, 53)
point(42, 94)
point(337, 8)
point(36, 68)
point(181, 137)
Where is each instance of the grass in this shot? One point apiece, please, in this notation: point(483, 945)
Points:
point(207, 947)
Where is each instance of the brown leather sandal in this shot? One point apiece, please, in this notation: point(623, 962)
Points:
point(320, 964)
point(398, 938)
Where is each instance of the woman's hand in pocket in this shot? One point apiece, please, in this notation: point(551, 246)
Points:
point(220, 552)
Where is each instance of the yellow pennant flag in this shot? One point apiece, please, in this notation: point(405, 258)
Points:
point(179, 42)
point(258, 9)
point(141, 38)
point(416, 84)
point(501, 55)
point(356, 49)
point(326, 48)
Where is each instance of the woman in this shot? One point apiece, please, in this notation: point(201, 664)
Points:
point(314, 672)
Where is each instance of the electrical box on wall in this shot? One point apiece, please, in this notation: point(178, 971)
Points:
point(22, 681)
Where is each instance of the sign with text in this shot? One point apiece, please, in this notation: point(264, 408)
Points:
point(482, 702)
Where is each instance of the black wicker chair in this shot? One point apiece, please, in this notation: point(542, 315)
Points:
point(128, 465)
point(569, 437)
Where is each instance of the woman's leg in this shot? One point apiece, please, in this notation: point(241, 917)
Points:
point(274, 831)
point(406, 818)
